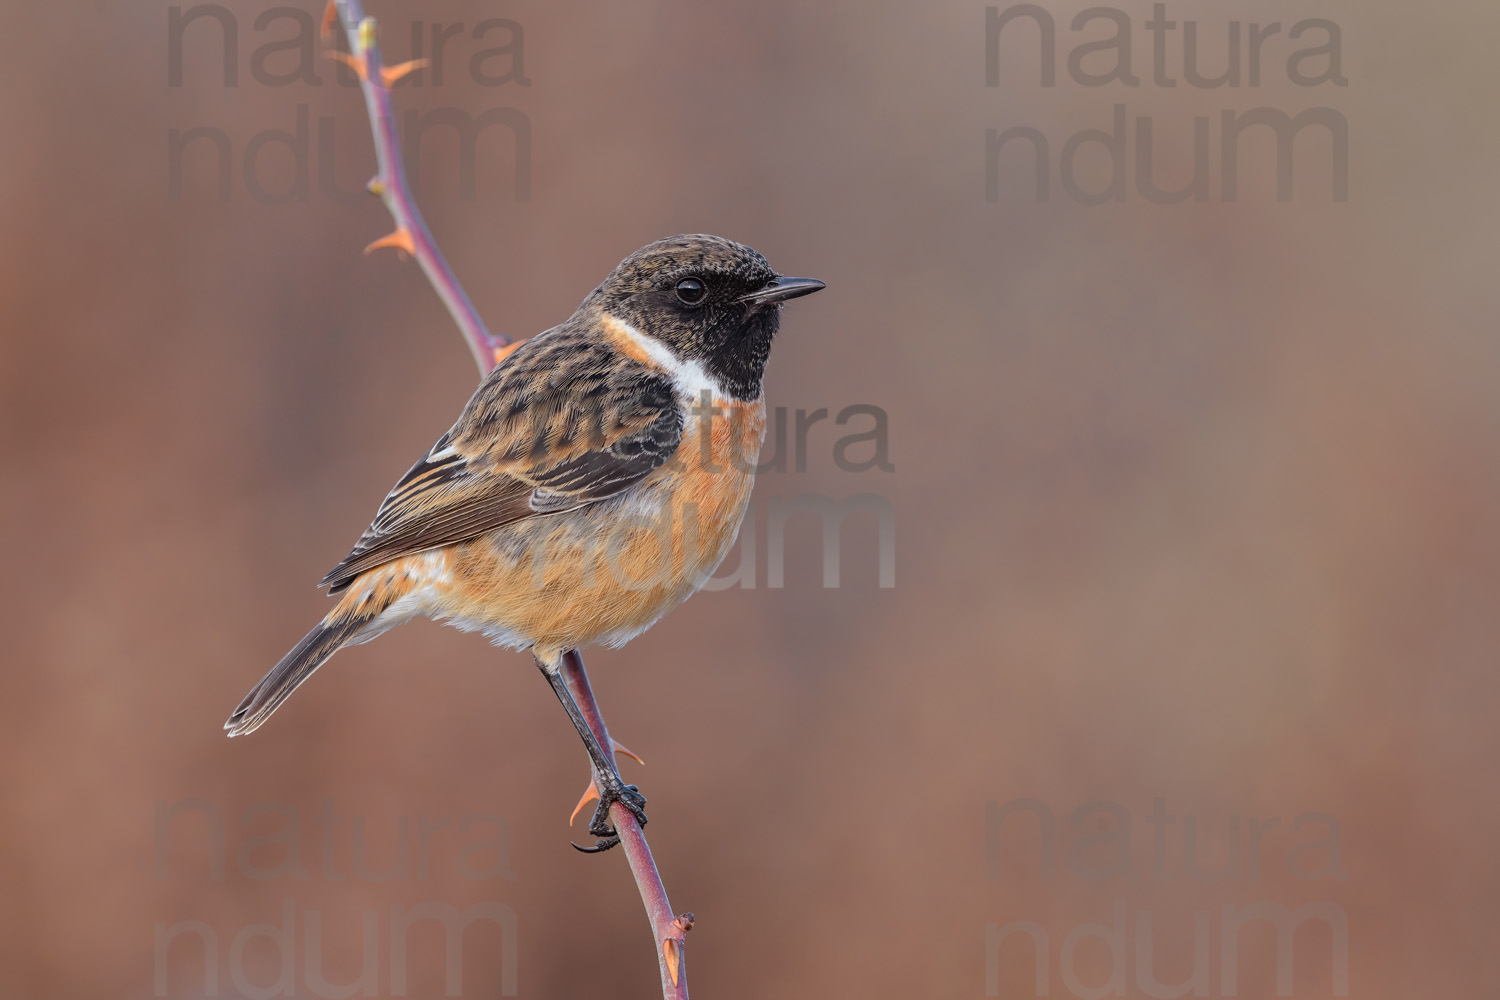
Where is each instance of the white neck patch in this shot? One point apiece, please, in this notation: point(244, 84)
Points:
point(689, 378)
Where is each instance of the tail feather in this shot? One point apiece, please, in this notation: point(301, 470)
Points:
point(295, 667)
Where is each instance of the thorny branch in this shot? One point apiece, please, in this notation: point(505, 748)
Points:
point(412, 236)
point(389, 183)
point(667, 930)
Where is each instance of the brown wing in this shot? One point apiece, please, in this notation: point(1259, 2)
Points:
point(560, 424)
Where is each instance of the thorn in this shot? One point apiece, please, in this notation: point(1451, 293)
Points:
point(592, 792)
point(390, 74)
point(619, 747)
point(358, 65)
point(400, 239)
point(669, 949)
point(330, 20)
point(673, 947)
point(500, 353)
point(589, 794)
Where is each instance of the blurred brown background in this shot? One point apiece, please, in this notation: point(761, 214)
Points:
point(1193, 502)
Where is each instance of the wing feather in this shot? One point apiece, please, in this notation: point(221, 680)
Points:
point(560, 424)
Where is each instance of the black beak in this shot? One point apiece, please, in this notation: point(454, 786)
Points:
point(780, 289)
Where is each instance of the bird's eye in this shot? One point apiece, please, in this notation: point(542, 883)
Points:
point(691, 291)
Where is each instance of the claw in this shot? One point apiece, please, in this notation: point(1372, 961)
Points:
point(390, 74)
point(600, 846)
point(330, 19)
point(592, 792)
point(400, 239)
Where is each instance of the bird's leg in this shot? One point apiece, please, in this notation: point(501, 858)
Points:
point(607, 780)
point(591, 793)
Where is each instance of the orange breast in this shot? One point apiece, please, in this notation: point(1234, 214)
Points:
point(703, 492)
point(608, 571)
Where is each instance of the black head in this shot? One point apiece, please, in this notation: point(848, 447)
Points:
point(710, 299)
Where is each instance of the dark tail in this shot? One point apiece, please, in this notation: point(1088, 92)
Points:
point(295, 667)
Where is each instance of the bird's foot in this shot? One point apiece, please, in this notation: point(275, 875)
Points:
point(591, 793)
point(614, 790)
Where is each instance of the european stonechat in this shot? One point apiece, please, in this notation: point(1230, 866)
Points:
point(593, 482)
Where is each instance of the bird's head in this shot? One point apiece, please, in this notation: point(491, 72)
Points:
point(708, 299)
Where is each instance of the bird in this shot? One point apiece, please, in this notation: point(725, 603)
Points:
point(593, 482)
